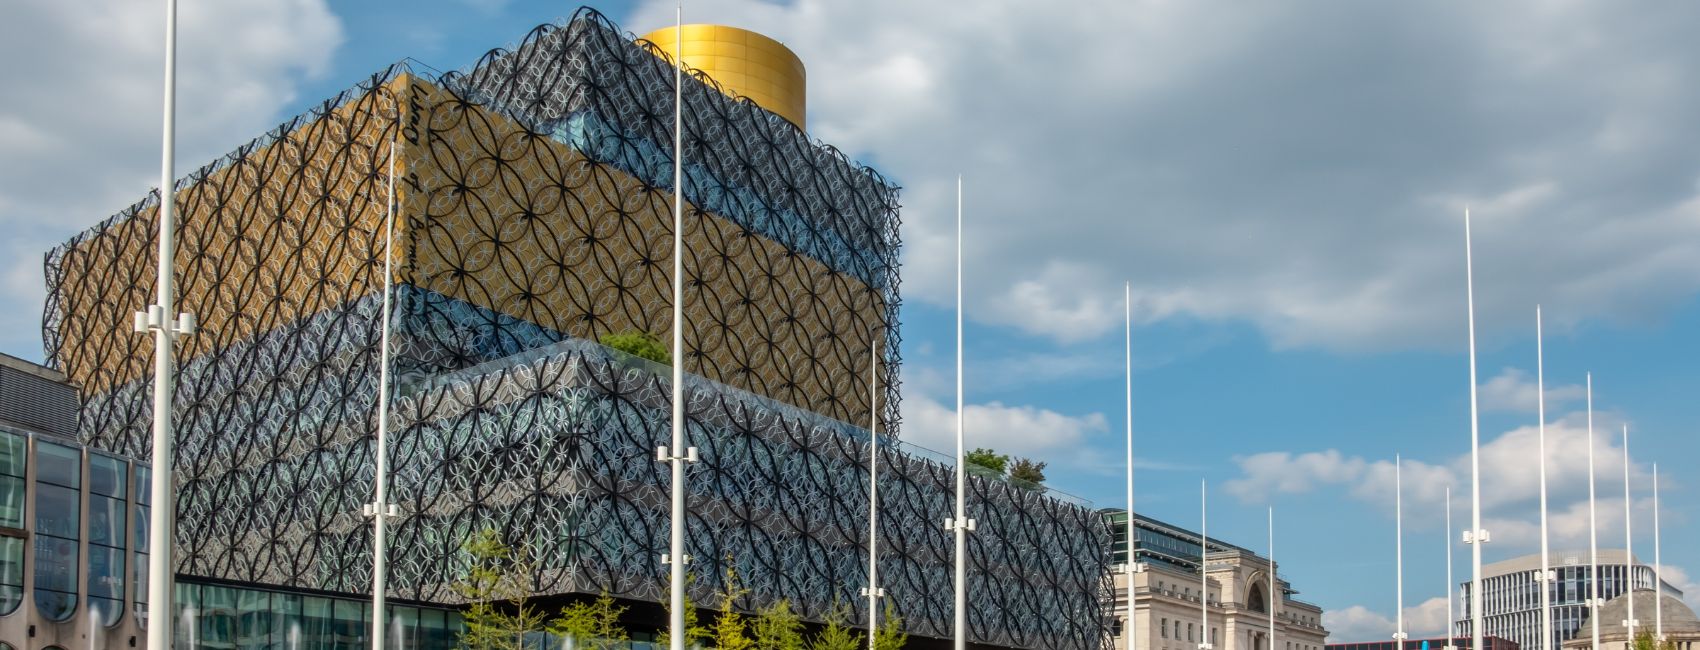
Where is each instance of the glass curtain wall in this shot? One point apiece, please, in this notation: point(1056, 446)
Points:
point(14, 458)
point(108, 478)
point(139, 527)
point(58, 524)
point(218, 616)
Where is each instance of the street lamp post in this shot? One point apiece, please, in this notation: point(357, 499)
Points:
point(1593, 528)
point(873, 592)
point(1204, 642)
point(1133, 566)
point(1546, 577)
point(1476, 536)
point(1398, 554)
point(1630, 623)
point(154, 321)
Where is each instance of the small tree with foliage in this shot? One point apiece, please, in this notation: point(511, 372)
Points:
point(988, 459)
point(1027, 472)
point(643, 345)
point(837, 633)
point(890, 635)
point(694, 633)
point(731, 630)
point(496, 586)
point(778, 628)
point(1645, 641)
point(593, 625)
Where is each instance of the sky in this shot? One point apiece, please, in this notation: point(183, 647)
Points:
point(1281, 184)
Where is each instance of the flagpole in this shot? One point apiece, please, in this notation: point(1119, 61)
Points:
point(1399, 553)
point(163, 508)
point(1274, 584)
point(1451, 630)
point(380, 509)
point(1628, 542)
point(1658, 565)
point(1476, 537)
point(676, 558)
point(1593, 527)
point(1203, 564)
point(1546, 577)
point(1133, 566)
point(873, 592)
point(961, 524)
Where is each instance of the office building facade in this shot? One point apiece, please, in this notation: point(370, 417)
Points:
point(1512, 608)
point(533, 218)
point(1242, 587)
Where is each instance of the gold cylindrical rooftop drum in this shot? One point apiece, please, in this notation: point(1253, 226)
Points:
point(744, 63)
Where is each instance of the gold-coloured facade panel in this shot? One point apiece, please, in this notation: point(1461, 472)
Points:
point(744, 63)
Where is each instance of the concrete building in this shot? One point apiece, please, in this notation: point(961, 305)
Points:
point(1242, 587)
point(1512, 608)
point(1681, 628)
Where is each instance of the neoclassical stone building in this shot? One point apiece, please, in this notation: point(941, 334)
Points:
point(1166, 599)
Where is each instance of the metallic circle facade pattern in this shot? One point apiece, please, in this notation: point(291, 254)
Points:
point(502, 421)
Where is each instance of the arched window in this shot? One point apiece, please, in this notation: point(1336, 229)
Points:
point(1257, 602)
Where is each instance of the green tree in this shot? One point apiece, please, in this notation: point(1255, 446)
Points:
point(778, 628)
point(731, 630)
point(496, 586)
point(1027, 472)
point(694, 633)
point(890, 635)
point(837, 633)
point(593, 625)
point(643, 345)
point(988, 459)
point(1645, 641)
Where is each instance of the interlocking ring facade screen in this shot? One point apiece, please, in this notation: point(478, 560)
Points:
point(534, 216)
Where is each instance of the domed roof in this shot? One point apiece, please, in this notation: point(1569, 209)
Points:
point(1679, 619)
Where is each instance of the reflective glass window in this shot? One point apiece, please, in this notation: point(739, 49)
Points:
point(58, 525)
point(58, 464)
point(106, 572)
point(254, 619)
point(350, 624)
point(55, 576)
point(404, 626)
point(14, 455)
point(316, 623)
point(56, 510)
point(108, 478)
point(218, 617)
point(187, 598)
point(106, 475)
point(106, 521)
point(286, 620)
point(139, 527)
point(11, 574)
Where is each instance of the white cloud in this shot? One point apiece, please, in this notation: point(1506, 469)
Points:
point(1283, 472)
point(1515, 390)
point(1358, 623)
point(1510, 482)
point(81, 123)
point(1299, 166)
point(1028, 431)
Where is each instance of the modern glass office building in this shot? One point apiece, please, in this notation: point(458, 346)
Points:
point(534, 218)
point(1512, 608)
point(73, 551)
